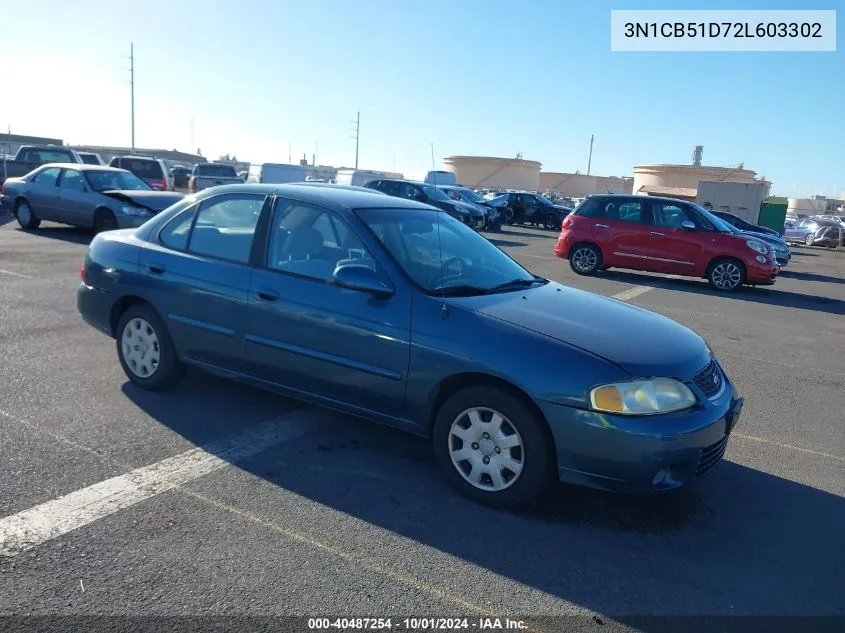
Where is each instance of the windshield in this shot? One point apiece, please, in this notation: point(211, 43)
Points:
point(469, 194)
point(116, 181)
point(438, 252)
point(89, 159)
point(436, 194)
point(718, 222)
point(544, 200)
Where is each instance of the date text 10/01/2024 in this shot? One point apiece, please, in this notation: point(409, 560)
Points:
point(723, 29)
point(415, 624)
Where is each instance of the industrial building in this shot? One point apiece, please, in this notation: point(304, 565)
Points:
point(579, 185)
point(11, 143)
point(817, 205)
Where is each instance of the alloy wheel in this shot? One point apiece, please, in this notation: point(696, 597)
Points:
point(486, 449)
point(726, 276)
point(584, 259)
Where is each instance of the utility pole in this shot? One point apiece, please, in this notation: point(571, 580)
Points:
point(590, 159)
point(356, 136)
point(132, 87)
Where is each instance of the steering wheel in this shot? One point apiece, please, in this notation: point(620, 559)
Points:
point(441, 277)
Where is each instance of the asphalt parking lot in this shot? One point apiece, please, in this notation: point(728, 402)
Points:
point(331, 515)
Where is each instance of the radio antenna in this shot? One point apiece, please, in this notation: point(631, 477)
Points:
point(444, 312)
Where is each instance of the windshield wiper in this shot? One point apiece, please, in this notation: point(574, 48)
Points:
point(516, 284)
point(460, 290)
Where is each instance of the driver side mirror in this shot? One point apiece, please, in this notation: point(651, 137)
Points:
point(687, 225)
point(362, 278)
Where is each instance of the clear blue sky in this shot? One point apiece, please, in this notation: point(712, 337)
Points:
point(487, 77)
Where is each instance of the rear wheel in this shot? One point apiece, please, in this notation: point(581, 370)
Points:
point(104, 220)
point(726, 274)
point(145, 350)
point(25, 216)
point(585, 259)
point(492, 447)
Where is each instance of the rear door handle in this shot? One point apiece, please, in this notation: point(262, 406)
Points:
point(602, 226)
point(656, 233)
point(266, 295)
point(158, 269)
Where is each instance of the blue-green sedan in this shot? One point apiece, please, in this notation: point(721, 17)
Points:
point(394, 310)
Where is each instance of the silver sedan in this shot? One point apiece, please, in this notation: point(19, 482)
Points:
point(813, 232)
point(88, 196)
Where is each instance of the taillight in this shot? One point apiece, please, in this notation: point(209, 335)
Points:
point(82, 272)
point(567, 222)
point(164, 185)
point(193, 185)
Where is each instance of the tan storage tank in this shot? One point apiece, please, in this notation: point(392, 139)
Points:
point(489, 171)
point(685, 176)
point(569, 185)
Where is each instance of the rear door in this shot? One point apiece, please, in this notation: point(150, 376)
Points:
point(74, 201)
point(674, 249)
point(619, 228)
point(198, 273)
point(44, 194)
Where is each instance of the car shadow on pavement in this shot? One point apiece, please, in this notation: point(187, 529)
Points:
point(505, 243)
point(63, 233)
point(761, 294)
point(794, 274)
point(549, 235)
point(742, 541)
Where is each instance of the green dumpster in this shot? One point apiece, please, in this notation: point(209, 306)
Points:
point(772, 216)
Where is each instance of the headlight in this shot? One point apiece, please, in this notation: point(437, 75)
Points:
point(756, 245)
point(134, 211)
point(642, 397)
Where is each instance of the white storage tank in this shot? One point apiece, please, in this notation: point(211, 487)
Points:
point(686, 176)
point(489, 171)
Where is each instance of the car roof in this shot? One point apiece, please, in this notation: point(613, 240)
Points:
point(634, 196)
point(84, 167)
point(326, 195)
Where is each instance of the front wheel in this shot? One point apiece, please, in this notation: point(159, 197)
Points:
point(492, 447)
point(585, 259)
point(808, 240)
point(145, 350)
point(726, 275)
point(25, 216)
point(104, 220)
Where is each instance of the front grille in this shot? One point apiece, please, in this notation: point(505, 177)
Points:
point(711, 456)
point(709, 379)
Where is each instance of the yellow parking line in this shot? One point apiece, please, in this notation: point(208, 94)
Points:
point(790, 446)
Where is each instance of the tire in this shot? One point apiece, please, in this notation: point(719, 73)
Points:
point(585, 259)
point(808, 239)
point(104, 220)
point(135, 327)
point(521, 435)
point(726, 274)
point(551, 222)
point(26, 216)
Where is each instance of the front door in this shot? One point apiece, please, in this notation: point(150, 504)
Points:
point(74, 201)
point(43, 194)
point(317, 338)
point(677, 250)
point(198, 274)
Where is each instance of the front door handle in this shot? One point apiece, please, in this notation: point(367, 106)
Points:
point(602, 226)
point(657, 233)
point(266, 295)
point(158, 269)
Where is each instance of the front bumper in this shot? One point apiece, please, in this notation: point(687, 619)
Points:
point(642, 455)
point(759, 274)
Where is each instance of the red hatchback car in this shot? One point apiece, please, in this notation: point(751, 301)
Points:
point(662, 235)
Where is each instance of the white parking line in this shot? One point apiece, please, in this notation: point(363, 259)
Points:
point(25, 530)
point(14, 274)
point(630, 293)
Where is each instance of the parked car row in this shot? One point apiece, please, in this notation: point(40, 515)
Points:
point(814, 231)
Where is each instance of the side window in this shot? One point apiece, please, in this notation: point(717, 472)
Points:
point(175, 233)
point(669, 215)
point(311, 242)
point(47, 177)
point(225, 227)
point(72, 180)
point(390, 188)
point(631, 212)
point(409, 191)
point(590, 208)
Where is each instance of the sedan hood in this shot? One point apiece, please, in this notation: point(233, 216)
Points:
point(640, 342)
point(152, 200)
point(469, 208)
